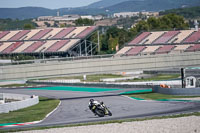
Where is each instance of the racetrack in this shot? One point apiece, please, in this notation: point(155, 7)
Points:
point(74, 106)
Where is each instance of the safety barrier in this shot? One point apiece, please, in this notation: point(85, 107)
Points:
point(177, 91)
point(20, 102)
point(98, 66)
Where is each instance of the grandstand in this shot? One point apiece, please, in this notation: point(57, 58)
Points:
point(162, 42)
point(48, 41)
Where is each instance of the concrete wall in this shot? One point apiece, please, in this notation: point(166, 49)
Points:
point(103, 65)
point(26, 101)
point(177, 91)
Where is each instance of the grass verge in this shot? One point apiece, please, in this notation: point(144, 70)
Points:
point(90, 78)
point(97, 77)
point(33, 113)
point(15, 85)
point(158, 77)
point(157, 96)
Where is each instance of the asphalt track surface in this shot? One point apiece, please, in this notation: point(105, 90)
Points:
point(74, 106)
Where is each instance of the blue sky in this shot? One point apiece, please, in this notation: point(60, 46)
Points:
point(53, 4)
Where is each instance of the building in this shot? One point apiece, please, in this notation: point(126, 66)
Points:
point(125, 14)
point(133, 14)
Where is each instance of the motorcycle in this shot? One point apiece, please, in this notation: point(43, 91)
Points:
point(101, 110)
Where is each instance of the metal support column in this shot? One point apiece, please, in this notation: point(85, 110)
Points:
point(85, 48)
point(91, 47)
point(98, 42)
point(80, 49)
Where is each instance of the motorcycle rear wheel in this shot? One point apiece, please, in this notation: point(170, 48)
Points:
point(99, 112)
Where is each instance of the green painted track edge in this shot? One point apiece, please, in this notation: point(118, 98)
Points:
point(77, 89)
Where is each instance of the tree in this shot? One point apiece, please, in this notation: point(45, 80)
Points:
point(113, 37)
point(176, 21)
point(112, 43)
point(62, 25)
point(84, 22)
point(28, 26)
point(166, 22)
point(47, 24)
point(142, 26)
point(154, 23)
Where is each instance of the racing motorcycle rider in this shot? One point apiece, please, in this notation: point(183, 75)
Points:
point(93, 102)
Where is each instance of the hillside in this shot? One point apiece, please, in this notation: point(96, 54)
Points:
point(25, 12)
point(105, 3)
point(97, 8)
point(189, 13)
point(152, 5)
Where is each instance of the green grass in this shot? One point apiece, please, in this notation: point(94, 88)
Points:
point(33, 113)
point(157, 96)
point(158, 77)
point(90, 78)
point(97, 77)
point(13, 85)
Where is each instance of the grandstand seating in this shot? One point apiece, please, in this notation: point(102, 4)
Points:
point(23, 47)
point(165, 49)
point(56, 46)
point(139, 38)
point(8, 36)
point(163, 42)
point(84, 33)
point(181, 36)
point(42, 40)
point(63, 33)
point(181, 47)
point(193, 38)
point(193, 48)
point(152, 37)
point(4, 33)
point(166, 37)
point(19, 35)
point(52, 33)
point(75, 32)
point(69, 45)
point(150, 49)
point(12, 47)
point(123, 50)
point(135, 50)
point(33, 47)
point(31, 34)
point(40, 34)
point(5, 45)
point(46, 45)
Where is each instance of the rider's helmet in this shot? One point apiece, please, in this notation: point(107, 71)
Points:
point(91, 100)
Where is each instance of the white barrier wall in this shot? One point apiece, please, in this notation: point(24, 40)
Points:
point(102, 65)
point(25, 101)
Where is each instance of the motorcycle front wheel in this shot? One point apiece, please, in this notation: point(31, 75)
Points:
point(109, 113)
